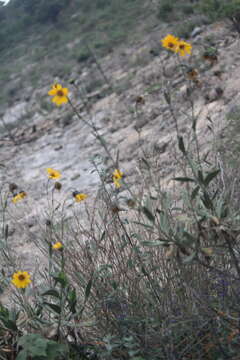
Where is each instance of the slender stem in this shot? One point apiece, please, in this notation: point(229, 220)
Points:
point(144, 270)
point(94, 130)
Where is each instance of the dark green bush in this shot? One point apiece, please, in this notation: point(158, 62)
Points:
point(216, 9)
point(83, 55)
point(184, 30)
point(165, 10)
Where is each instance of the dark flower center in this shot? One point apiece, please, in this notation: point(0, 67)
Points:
point(182, 47)
point(21, 277)
point(75, 193)
point(60, 93)
point(170, 44)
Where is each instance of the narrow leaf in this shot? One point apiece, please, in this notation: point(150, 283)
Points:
point(167, 97)
point(194, 123)
point(152, 243)
point(181, 145)
point(88, 288)
point(148, 214)
point(51, 292)
point(149, 227)
point(183, 179)
point(54, 307)
point(200, 177)
point(211, 176)
point(146, 163)
point(103, 235)
point(195, 192)
point(207, 201)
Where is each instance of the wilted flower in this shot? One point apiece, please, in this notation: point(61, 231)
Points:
point(21, 279)
point(131, 203)
point(57, 185)
point(60, 94)
point(57, 246)
point(140, 100)
point(53, 174)
point(211, 56)
point(79, 196)
point(170, 42)
point(21, 195)
point(192, 74)
point(13, 187)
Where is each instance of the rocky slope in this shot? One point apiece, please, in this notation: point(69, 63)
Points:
point(55, 137)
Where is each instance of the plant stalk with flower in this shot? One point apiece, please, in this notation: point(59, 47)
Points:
point(61, 97)
point(117, 176)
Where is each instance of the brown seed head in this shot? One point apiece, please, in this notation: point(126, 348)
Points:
point(57, 185)
point(12, 187)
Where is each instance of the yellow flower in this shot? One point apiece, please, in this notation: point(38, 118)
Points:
point(170, 42)
point(21, 195)
point(79, 196)
point(60, 94)
point(117, 175)
point(116, 183)
point(183, 48)
point(57, 246)
point(21, 279)
point(53, 174)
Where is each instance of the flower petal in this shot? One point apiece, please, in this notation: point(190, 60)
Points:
point(52, 92)
point(65, 91)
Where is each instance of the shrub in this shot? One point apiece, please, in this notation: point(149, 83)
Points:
point(216, 9)
point(184, 30)
point(165, 10)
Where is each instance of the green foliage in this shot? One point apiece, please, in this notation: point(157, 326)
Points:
point(165, 10)
point(138, 285)
point(187, 9)
point(184, 30)
point(8, 319)
point(173, 10)
point(38, 348)
point(102, 23)
point(47, 11)
point(216, 9)
point(83, 55)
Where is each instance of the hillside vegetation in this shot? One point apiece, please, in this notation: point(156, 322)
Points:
point(119, 183)
point(34, 35)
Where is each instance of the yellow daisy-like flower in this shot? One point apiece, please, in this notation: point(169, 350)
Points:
point(170, 42)
point(79, 196)
point(53, 174)
point(117, 175)
point(60, 94)
point(57, 246)
point(21, 279)
point(21, 195)
point(183, 48)
point(116, 183)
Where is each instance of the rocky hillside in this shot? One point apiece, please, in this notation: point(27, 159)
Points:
point(124, 92)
